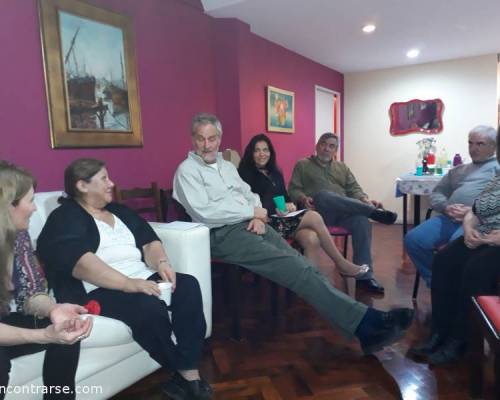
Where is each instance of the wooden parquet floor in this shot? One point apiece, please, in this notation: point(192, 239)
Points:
point(297, 356)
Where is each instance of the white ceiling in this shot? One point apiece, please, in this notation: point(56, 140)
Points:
point(329, 31)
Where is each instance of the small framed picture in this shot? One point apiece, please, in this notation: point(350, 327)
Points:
point(280, 110)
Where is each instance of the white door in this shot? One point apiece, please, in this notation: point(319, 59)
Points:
point(327, 113)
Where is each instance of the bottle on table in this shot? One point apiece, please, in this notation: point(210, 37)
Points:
point(419, 168)
point(457, 160)
point(442, 162)
point(431, 162)
point(425, 168)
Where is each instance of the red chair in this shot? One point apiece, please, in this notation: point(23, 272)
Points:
point(339, 232)
point(486, 315)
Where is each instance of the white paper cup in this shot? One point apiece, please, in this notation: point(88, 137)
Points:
point(166, 292)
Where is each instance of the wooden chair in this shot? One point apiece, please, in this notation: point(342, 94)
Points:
point(142, 200)
point(232, 156)
point(486, 326)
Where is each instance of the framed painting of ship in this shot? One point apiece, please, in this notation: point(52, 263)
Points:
point(90, 76)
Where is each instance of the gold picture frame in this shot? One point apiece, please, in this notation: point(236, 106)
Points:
point(90, 76)
point(280, 110)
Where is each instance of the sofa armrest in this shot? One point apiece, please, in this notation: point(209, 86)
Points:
point(189, 253)
point(107, 332)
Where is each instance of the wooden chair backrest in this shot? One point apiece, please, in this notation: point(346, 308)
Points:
point(172, 209)
point(232, 156)
point(142, 200)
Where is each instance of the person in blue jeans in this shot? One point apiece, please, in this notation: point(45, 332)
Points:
point(453, 198)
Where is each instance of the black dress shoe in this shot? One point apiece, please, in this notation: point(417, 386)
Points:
point(426, 348)
point(379, 329)
point(383, 216)
point(370, 285)
point(401, 317)
point(178, 388)
point(450, 350)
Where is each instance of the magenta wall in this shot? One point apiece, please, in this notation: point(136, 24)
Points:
point(187, 63)
point(264, 63)
point(175, 68)
point(246, 64)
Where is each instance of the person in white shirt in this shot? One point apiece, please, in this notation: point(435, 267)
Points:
point(213, 193)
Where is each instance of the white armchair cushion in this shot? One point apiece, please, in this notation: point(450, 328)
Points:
point(107, 332)
point(45, 203)
point(189, 253)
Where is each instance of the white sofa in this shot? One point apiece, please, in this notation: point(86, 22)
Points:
point(110, 360)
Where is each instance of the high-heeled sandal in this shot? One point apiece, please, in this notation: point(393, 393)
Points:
point(363, 269)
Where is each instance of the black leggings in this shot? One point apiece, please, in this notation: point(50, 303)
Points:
point(147, 316)
point(60, 363)
point(457, 274)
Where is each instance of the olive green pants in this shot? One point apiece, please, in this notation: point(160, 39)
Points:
point(272, 257)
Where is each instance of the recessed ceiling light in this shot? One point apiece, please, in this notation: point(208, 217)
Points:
point(413, 53)
point(369, 28)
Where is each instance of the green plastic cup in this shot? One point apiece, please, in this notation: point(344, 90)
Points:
point(279, 202)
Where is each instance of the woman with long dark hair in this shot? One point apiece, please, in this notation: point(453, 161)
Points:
point(30, 320)
point(259, 169)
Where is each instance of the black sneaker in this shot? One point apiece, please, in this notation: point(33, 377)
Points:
point(383, 216)
point(178, 388)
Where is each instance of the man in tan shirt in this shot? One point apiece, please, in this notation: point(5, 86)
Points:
point(329, 186)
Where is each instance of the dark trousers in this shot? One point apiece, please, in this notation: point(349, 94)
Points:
point(457, 274)
point(60, 363)
point(148, 318)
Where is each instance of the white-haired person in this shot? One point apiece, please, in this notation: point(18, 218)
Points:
point(213, 193)
point(31, 321)
point(468, 266)
point(452, 198)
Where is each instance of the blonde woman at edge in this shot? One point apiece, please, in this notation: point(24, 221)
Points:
point(38, 322)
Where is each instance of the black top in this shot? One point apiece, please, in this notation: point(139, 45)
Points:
point(266, 186)
point(69, 233)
